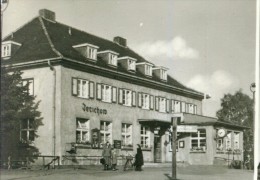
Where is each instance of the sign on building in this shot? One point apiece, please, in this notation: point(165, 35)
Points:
point(187, 128)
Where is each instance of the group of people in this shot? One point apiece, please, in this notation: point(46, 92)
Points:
point(109, 155)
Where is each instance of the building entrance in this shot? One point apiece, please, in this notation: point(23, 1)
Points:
point(157, 149)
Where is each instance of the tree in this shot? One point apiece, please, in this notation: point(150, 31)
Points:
point(18, 111)
point(239, 109)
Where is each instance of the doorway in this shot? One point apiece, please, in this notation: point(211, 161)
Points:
point(157, 149)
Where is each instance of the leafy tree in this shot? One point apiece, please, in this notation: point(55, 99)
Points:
point(17, 108)
point(239, 109)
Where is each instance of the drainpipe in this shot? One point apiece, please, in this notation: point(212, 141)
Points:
point(54, 108)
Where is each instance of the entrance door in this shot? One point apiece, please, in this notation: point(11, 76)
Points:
point(157, 149)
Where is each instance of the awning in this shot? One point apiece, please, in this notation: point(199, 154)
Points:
point(155, 122)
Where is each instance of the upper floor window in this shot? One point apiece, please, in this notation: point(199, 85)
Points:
point(87, 50)
point(6, 50)
point(82, 88)
point(177, 106)
point(27, 132)
point(131, 64)
point(144, 100)
point(163, 74)
point(127, 97)
point(148, 70)
point(29, 84)
point(82, 131)
point(112, 59)
point(106, 93)
point(162, 104)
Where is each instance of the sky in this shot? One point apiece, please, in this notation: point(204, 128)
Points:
point(208, 45)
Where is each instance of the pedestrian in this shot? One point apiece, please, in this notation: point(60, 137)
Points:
point(106, 154)
point(114, 159)
point(139, 160)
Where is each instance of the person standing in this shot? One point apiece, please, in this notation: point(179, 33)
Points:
point(106, 153)
point(114, 159)
point(139, 160)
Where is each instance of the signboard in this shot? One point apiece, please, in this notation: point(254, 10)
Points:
point(95, 138)
point(117, 144)
point(187, 128)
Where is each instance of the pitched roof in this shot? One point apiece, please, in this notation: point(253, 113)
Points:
point(44, 39)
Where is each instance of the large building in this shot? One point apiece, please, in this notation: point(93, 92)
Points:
point(93, 90)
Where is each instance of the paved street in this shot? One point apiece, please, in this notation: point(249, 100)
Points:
point(151, 173)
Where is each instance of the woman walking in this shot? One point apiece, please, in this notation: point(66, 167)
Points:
point(139, 160)
point(114, 159)
point(106, 153)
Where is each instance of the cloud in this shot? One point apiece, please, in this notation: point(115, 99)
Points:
point(216, 84)
point(175, 48)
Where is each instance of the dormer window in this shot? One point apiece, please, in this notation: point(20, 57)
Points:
point(127, 63)
point(87, 50)
point(145, 68)
point(160, 72)
point(9, 48)
point(110, 57)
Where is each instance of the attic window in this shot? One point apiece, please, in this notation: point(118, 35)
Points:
point(163, 74)
point(127, 63)
point(131, 64)
point(160, 72)
point(148, 70)
point(110, 57)
point(87, 50)
point(9, 48)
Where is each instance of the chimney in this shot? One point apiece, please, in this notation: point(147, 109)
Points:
point(47, 14)
point(121, 41)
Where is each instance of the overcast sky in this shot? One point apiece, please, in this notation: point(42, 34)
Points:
point(208, 45)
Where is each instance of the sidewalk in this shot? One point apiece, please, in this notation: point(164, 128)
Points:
point(152, 173)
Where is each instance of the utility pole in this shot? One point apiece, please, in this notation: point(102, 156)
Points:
point(174, 139)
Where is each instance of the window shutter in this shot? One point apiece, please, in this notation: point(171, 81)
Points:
point(139, 99)
point(172, 106)
point(151, 102)
point(114, 94)
point(91, 89)
point(195, 109)
point(133, 98)
point(120, 96)
point(167, 105)
point(156, 103)
point(74, 87)
point(99, 94)
point(187, 107)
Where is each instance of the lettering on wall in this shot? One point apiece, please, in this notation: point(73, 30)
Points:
point(93, 109)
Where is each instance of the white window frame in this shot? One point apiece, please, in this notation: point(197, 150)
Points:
point(83, 88)
point(145, 137)
point(127, 97)
point(177, 106)
point(145, 101)
point(106, 91)
point(162, 104)
point(112, 60)
point(30, 89)
point(91, 53)
point(126, 134)
point(131, 64)
point(6, 50)
point(199, 138)
point(163, 74)
point(28, 130)
point(148, 70)
point(106, 132)
point(236, 140)
point(228, 140)
point(83, 130)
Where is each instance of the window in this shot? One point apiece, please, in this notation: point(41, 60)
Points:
point(148, 70)
point(131, 64)
point(220, 144)
point(82, 88)
point(29, 84)
point(162, 104)
point(190, 108)
point(27, 132)
point(236, 140)
point(151, 102)
point(91, 53)
point(127, 135)
point(163, 74)
point(106, 132)
point(6, 50)
point(112, 59)
point(228, 140)
point(195, 109)
point(82, 131)
point(106, 93)
point(198, 140)
point(183, 107)
point(127, 97)
point(145, 137)
point(177, 106)
point(144, 100)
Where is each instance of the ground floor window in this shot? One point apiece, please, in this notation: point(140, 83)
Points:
point(27, 131)
point(198, 140)
point(228, 140)
point(105, 132)
point(127, 135)
point(145, 137)
point(82, 131)
point(236, 140)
